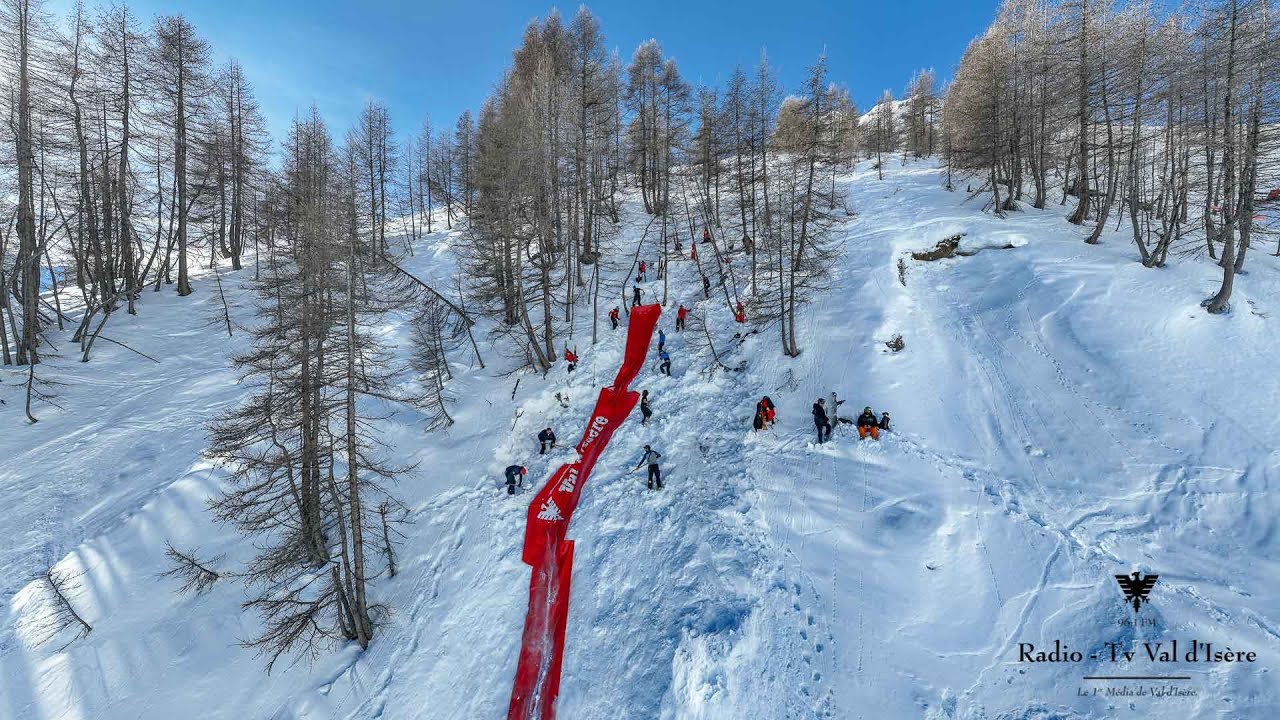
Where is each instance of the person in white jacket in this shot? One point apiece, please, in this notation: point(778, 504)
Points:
point(655, 473)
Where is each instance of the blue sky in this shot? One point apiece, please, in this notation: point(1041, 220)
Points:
point(443, 57)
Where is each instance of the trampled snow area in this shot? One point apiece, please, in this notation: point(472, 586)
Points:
point(1063, 415)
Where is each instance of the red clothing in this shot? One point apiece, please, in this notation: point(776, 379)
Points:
point(614, 313)
point(682, 312)
point(693, 254)
point(570, 357)
point(641, 267)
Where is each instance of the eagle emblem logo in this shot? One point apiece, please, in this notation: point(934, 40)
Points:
point(1136, 587)
point(550, 511)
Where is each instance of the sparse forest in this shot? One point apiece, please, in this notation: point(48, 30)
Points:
point(923, 365)
point(1128, 114)
point(136, 164)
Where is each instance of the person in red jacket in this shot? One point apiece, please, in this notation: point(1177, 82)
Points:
point(706, 235)
point(613, 317)
point(640, 277)
point(571, 358)
point(680, 316)
point(741, 314)
point(693, 253)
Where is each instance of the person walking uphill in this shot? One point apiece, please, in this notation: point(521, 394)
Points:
point(514, 473)
point(868, 425)
point(613, 317)
point(635, 295)
point(645, 411)
point(821, 421)
point(680, 316)
point(655, 473)
point(664, 366)
point(662, 339)
point(546, 440)
point(640, 276)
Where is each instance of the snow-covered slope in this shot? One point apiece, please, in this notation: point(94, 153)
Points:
point(1063, 415)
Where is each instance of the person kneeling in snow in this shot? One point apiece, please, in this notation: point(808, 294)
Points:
point(884, 423)
point(514, 473)
point(655, 473)
point(868, 425)
point(547, 441)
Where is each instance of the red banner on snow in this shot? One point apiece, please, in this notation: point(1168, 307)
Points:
point(537, 680)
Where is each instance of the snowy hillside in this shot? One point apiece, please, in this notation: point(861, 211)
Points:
point(1062, 414)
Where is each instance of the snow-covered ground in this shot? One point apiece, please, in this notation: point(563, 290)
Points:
point(1063, 415)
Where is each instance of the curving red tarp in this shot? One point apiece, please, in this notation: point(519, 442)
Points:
point(537, 680)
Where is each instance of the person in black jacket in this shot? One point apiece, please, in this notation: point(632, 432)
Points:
point(646, 412)
point(547, 440)
point(821, 421)
point(884, 423)
point(868, 425)
point(514, 473)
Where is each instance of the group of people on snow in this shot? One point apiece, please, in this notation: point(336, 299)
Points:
point(867, 423)
point(765, 415)
point(547, 436)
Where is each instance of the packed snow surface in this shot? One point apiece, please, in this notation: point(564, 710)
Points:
point(1062, 415)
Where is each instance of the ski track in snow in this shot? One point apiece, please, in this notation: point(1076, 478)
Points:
point(1055, 424)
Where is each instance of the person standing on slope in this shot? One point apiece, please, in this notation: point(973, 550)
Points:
point(635, 294)
point(640, 277)
point(680, 315)
point(820, 420)
point(664, 366)
point(514, 473)
point(868, 425)
point(741, 314)
point(546, 440)
point(835, 410)
point(693, 254)
point(646, 412)
point(571, 357)
point(613, 317)
point(662, 339)
point(706, 235)
point(651, 458)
